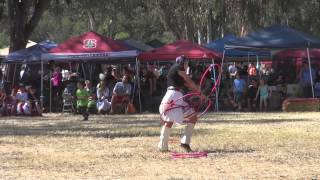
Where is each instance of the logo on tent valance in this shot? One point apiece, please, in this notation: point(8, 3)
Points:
point(89, 43)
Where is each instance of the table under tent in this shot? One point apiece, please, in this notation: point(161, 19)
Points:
point(276, 38)
point(169, 52)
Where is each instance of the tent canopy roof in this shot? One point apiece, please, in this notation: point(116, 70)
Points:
point(91, 46)
point(5, 51)
point(218, 45)
point(31, 54)
point(90, 42)
point(171, 51)
point(275, 37)
point(298, 53)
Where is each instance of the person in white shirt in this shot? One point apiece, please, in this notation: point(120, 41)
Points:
point(121, 94)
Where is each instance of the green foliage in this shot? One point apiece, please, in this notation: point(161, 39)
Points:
point(167, 20)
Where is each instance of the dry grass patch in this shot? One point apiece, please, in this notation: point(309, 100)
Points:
point(240, 146)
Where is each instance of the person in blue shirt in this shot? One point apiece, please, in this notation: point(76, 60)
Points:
point(239, 87)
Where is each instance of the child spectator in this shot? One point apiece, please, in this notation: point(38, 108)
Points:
point(252, 91)
point(103, 96)
point(239, 87)
point(82, 100)
point(23, 106)
point(264, 92)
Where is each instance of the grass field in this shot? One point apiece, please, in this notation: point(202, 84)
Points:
point(240, 146)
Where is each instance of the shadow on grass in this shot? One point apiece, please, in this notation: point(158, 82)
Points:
point(104, 129)
point(260, 121)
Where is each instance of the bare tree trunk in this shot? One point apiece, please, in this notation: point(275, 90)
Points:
point(209, 26)
point(21, 27)
point(92, 21)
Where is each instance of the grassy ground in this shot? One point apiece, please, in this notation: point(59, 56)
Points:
point(240, 146)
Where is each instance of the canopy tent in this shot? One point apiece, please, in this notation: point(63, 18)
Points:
point(189, 49)
point(171, 51)
point(31, 54)
point(298, 53)
point(5, 51)
point(91, 47)
point(137, 45)
point(277, 37)
point(218, 45)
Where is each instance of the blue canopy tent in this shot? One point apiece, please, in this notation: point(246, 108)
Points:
point(218, 45)
point(276, 37)
point(31, 54)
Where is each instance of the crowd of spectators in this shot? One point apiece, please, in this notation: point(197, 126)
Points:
point(244, 87)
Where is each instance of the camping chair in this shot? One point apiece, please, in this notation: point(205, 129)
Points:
point(68, 105)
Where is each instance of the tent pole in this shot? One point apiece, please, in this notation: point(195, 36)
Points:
point(310, 71)
point(138, 83)
point(83, 71)
point(50, 107)
point(41, 96)
point(221, 71)
point(14, 75)
point(215, 80)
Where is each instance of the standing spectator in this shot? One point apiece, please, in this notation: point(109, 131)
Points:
point(110, 79)
point(263, 92)
point(252, 72)
point(305, 79)
point(252, 91)
point(239, 89)
point(121, 94)
point(82, 100)
point(149, 82)
point(56, 81)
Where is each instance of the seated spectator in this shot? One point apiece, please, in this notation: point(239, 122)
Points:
point(3, 97)
point(92, 103)
point(89, 87)
point(82, 100)
point(121, 94)
point(23, 105)
point(33, 101)
point(251, 96)
point(11, 103)
point(103, 96)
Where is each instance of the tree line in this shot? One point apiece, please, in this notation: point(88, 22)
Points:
point(166, 20)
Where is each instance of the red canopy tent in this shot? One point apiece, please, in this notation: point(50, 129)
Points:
point(90, 46)
point(299, 53)
point(171, 51)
